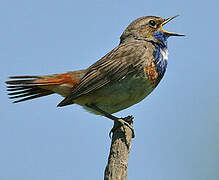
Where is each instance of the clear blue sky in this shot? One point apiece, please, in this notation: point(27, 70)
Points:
point(177, 126)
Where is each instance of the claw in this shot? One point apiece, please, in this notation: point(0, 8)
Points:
point(118, 122)
point(122, 122)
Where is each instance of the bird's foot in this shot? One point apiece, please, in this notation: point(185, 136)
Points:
point(121, 122)
point(118, 122)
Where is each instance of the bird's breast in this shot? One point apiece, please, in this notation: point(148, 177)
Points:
point(131, 89)
point(160, 59)
point(156, 65)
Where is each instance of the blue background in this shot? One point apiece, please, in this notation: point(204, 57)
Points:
point(177, 126)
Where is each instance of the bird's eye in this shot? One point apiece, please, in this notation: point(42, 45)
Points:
point(152, 22)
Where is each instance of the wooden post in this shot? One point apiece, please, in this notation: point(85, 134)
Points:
point(116, 168)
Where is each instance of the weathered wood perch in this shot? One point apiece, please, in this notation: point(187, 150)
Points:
point(117, 165)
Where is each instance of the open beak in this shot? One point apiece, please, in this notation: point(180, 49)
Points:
point(169, 33)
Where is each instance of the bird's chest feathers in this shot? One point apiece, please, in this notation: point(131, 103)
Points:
point(156, 66)
point(160, 59)
point(164, 53)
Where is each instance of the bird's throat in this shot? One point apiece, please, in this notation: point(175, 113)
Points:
point(161, 36)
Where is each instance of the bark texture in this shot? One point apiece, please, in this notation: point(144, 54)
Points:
point(116, 168)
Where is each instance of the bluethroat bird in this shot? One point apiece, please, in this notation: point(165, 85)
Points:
point(120, 79)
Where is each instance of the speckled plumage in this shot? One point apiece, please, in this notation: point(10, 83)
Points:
point(120, 79)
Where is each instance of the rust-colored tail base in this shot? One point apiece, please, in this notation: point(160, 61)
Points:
point(26, 88)
point(31, 87)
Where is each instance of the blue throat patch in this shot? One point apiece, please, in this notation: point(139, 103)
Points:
point(160, 62)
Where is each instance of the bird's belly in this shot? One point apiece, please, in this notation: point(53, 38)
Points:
point(118, 95)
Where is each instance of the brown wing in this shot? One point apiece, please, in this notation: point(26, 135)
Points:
point(114, 66)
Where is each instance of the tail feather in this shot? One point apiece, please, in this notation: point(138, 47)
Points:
point(33, 89)
point(24, 77)
point(30, 87)
point(26, 88)
point(17, 88)
point(33, 96)
point(32, 80)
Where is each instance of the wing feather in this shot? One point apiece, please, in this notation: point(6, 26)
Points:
point(117, 64)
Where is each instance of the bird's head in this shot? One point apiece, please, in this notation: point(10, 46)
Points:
point(148, 28)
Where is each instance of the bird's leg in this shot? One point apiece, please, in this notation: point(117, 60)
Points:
point(126, 121)
point(118, 121)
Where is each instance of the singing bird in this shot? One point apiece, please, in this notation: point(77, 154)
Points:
point(120, 79)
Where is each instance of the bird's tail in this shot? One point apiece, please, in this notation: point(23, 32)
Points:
point(30, 87)
point(27, 87)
